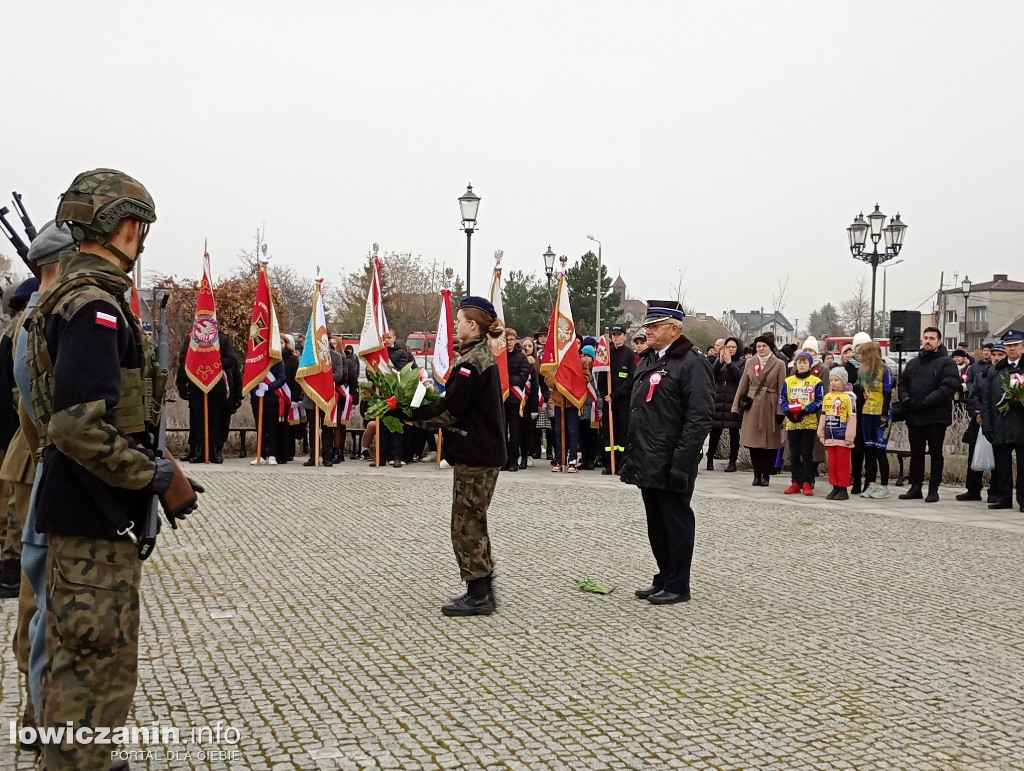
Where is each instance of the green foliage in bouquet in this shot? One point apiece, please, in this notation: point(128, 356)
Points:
point(387, 392)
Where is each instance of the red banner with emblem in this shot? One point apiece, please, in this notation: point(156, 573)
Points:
point(202, 362)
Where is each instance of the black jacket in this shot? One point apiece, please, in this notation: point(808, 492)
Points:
point(471, 409)
point(623, 367)
point(8, 409)
point(927, 388)
point(352, 376)
point(398, 356)
point(727, 378)
point(667, 431)
point(519, 370)
point(999, 428)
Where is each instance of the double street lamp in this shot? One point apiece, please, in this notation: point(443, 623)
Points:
point(965, 285)
point(469, 202)
point(875, 226)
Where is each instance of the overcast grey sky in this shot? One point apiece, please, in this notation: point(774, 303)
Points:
point(734, 141)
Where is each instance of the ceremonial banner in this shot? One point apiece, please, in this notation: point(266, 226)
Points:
point(264, 336)
point(444, 340)
point(498, 344)
point(561, 360)
point(316, 375)
point(202, 362)
point(603, 361)
point(375, 324)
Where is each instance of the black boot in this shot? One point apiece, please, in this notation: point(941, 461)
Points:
point(832, 495)
point(912, 494)
point(933, 494)
point(10, 578)
point(477, 601)
point(711, 463)
point(841, 494)
point(757, 481)
point(731, 467)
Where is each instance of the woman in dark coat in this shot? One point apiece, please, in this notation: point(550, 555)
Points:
point(727, 370)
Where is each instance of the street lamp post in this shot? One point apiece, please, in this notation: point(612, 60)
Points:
point(597, 333)
point(885, 286)
point(469, 202)
point(858, 233)
point(549, 265)
point(965, 285)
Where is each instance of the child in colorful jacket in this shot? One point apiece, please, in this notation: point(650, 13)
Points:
point(800, 400)
point(837, 430)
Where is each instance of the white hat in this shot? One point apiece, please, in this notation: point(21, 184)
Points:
point(860, 338)
point(812, 343)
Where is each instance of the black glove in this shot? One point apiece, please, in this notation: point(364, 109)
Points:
point(177, 492)
point(682, 470)
point(779, 420)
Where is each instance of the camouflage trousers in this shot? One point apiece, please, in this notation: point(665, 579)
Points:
point(473, 489)
point(92, 642)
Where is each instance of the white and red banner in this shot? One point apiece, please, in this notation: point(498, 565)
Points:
point(202, 361)
point(603, 359)
point(444, 340)
point(375, 324)
point(561, 360)
point(498, 346)
point(316, 375)
point(264, 346)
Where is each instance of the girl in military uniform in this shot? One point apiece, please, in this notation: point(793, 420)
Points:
point(472, 416)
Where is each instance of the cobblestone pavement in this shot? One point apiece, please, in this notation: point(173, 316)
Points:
point(819, 635)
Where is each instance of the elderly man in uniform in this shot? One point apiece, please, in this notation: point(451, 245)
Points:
point(1004, 428)
point(671, 406)
point(97, 395)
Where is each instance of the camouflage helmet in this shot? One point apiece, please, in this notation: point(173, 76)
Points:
point(98, 200)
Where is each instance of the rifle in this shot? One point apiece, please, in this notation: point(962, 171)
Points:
point(151, 525)
point(12, 235)
point(30, 229)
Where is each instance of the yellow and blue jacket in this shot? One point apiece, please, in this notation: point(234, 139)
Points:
point(800, 401)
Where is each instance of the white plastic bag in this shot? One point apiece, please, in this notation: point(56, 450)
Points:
point(984, 457)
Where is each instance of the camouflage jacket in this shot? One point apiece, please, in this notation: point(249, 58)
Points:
point(97, 394)
point(471, 411)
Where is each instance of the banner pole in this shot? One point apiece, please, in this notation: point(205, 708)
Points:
point(611, 420)
point(376, 443)
point(316, 434)
point(259, 435)
point(440, 441)
point(206, 427)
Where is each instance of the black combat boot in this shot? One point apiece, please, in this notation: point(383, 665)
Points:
point(10, 578)
point(477, 601)
point(933, 494)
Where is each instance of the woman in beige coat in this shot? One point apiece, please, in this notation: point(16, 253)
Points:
point(759, 430)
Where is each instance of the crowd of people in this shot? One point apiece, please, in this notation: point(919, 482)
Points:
point(791, 405)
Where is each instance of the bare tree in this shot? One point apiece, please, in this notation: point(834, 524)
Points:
point(780, 294)
point(679, 293)
point(251, 258)
point(854, 311)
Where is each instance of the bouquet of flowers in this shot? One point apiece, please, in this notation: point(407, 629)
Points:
point(1013, 392)
point(388, 392)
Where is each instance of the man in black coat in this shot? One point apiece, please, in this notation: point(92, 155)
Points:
point(623, 365)
point(224, 400)
point(927, 387)
point(671, 404)
point(1005, 430)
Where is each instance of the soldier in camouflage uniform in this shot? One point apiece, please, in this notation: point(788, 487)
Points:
point(472, 415)
point(97, 394)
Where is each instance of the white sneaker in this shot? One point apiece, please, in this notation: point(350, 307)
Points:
point(429, 457)
point(271, 461)
point(445, 464)
point(529, 461)
point(254, 462)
